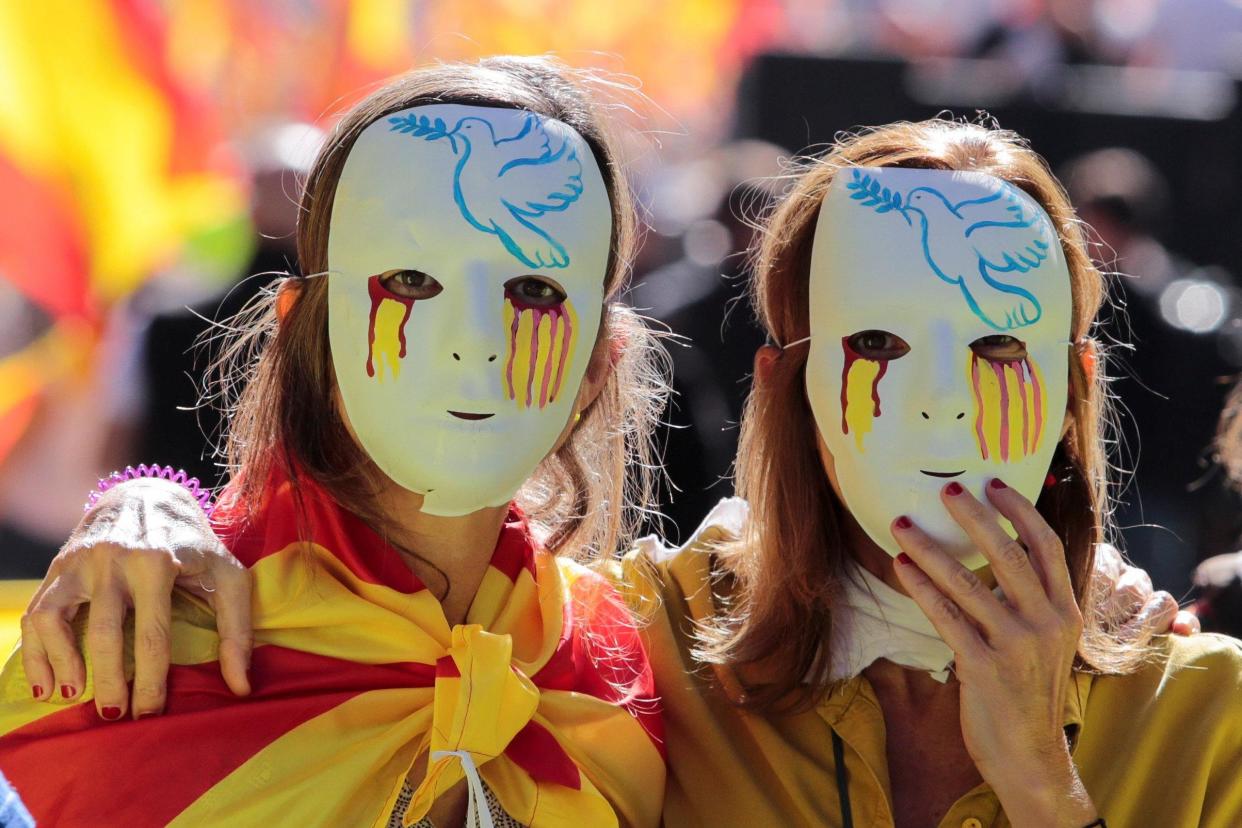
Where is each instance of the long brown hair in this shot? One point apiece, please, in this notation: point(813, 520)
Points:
point(789, 565)
point(275, 380)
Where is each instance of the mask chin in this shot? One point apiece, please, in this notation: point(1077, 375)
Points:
point(875, 500)
point(456, 503)
point(943, 530)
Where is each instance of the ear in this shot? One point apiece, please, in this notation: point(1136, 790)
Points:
point(604, 359)
point(287, 295)
point(1088, 354)
point(765, 361)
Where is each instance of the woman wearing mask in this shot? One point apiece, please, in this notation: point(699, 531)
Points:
point(435, 423)
point(905, 630)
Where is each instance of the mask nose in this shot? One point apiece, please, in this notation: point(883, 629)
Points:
point(473, 336)
point(490, 358)
point(958, 416)
point(944, 395)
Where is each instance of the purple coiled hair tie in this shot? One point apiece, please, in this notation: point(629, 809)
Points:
point(178, 476)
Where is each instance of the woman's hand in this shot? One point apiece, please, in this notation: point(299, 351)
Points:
point(140, 540)
point(1130, 605)
point(1013, 656)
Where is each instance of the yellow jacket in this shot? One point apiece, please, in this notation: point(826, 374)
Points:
point(1161, 748)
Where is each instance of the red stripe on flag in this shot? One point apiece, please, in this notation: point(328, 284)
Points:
point(42, 245)
point(609, 654)
point(72, 768)
point(560, 672)
point(447, 668)
point(601, 654)
point(291, 515)
point(537, 752)
point(196, 134)
point(514, 550)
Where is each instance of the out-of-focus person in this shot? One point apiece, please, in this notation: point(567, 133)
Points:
point(709, 204)
point(1174, 313)
point(1218, 579)
point(83, 421)
point(176, 427)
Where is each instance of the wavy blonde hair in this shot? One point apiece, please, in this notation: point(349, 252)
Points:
point(275, 381)
point(788, 566)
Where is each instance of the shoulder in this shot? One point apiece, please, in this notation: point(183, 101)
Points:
point(653, 570)
point(1163, 745)
point(1190, 682)
point(1184, 664)
point(1198, 664)
point(1220, 653)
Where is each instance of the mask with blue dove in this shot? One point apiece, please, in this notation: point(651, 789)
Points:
point(469, 249)
point(503, 185)
point(983, 245)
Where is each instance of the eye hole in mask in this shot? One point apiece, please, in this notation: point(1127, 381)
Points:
point(999, 348)
point(878, 345)
point(410, 284)
point(535, 292)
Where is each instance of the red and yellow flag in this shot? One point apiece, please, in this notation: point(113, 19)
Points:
point(356, 674)
point(111, 167)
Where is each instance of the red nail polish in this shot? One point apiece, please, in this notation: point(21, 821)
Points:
point(997, 483)
point(904, 522)
point(904, 559)
point(953, 489)
point(1050, 480)
point(37, 691)
point(145, 715)
point(111, 713)
point(66, 692)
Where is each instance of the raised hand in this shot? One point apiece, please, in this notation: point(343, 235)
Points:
point(1013, 655)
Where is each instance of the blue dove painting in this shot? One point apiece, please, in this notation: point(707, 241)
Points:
point(504, 184)
point(990, 246)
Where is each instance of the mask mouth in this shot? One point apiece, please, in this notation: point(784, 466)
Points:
point(941, 474)
point(470, 415)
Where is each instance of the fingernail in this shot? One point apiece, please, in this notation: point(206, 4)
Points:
point(66, 691)
point(37, 691)
point(953, 489)
point(146, 714)
point(997, 483)
point(903, 522)
point(111, 713)
point(904, 559)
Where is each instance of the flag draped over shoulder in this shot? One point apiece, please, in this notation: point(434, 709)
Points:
point(356, 673)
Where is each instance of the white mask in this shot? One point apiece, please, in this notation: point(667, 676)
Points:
point(458, 367)
point(941, 260)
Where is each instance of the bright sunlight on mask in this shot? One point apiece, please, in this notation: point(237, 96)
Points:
point(467, 255)
point(940, 316)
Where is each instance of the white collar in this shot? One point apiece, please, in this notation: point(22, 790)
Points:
point(871, 620)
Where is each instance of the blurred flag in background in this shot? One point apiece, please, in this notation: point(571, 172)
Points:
point(111, 167)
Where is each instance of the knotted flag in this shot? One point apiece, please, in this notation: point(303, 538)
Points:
point(545, 690)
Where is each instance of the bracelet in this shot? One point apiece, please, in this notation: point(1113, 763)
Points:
point(191, 484)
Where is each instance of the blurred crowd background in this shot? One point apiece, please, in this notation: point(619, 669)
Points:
point(150, 153)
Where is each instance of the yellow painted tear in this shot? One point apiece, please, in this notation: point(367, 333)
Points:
point(387, 346)
point(859, 407)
